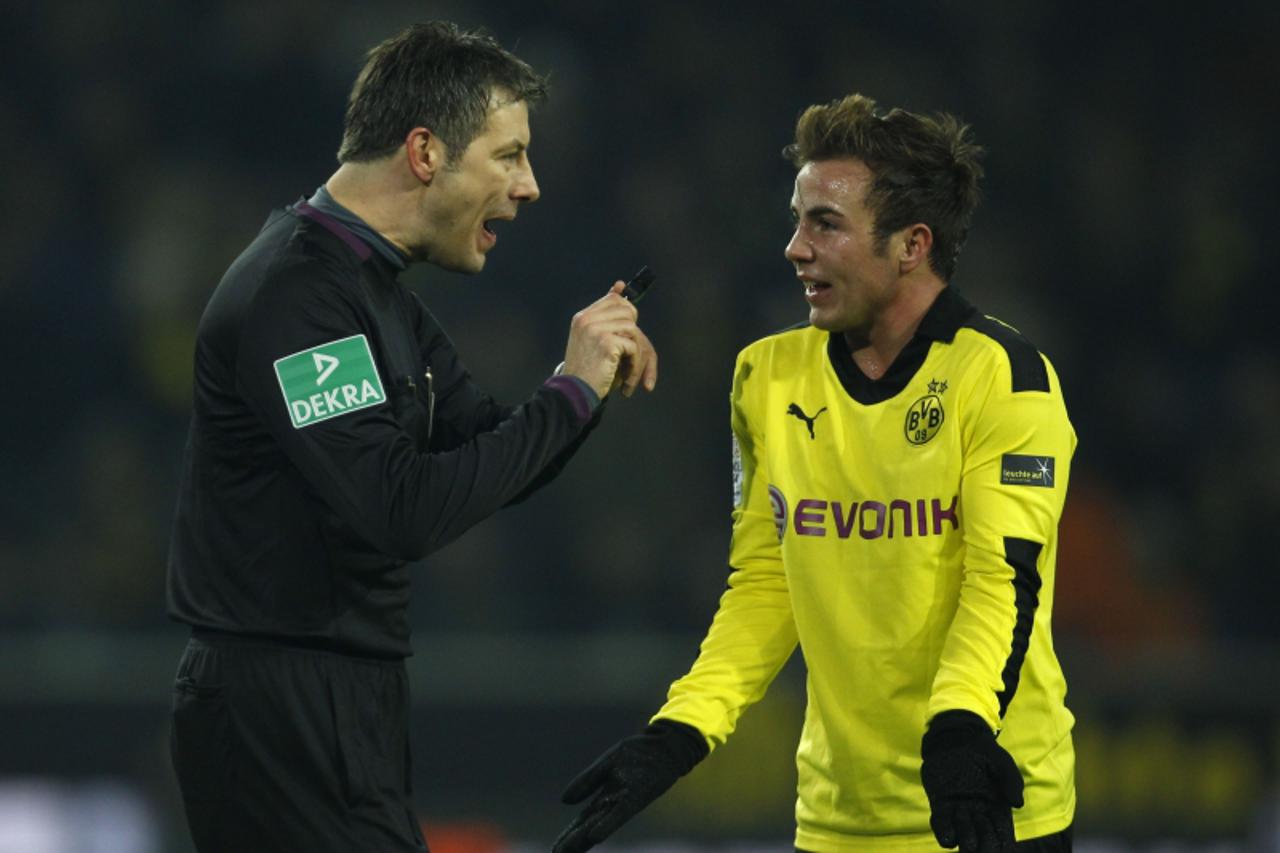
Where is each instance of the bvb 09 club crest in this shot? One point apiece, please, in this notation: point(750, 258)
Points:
point(924, 419)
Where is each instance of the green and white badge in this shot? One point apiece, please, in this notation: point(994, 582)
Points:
point(329, 380)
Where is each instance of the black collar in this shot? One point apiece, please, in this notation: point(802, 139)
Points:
point(325, 203)
point(363, 251)
point(945, 316)
point(333, 226)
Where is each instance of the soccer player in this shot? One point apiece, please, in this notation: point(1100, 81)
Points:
point(900, 465)
point(336, 436)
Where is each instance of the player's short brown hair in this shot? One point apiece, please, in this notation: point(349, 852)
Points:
point(925, 168)
point(436, 76)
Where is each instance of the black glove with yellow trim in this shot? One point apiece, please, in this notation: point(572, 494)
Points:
point(972, 784)
point(632, 774)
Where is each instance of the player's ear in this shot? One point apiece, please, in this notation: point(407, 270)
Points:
point(426, 154)
point(914, 243)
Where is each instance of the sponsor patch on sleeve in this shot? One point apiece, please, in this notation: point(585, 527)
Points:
point(329, 380)
point(1017, 469)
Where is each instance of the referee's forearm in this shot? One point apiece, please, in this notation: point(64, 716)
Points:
point(437, 497)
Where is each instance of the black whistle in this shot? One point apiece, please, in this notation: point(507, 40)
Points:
point(635, 289)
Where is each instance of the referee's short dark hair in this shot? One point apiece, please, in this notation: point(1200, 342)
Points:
point(925, 168)
point(431, 75)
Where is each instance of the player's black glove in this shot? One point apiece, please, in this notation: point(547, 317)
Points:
point(971, 782)
point(632, 774)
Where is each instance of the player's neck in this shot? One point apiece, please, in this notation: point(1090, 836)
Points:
point(875, 350)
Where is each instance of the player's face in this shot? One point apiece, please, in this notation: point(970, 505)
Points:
point(847, 283)
point(486, 183)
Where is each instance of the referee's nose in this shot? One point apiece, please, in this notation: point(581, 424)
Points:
point(525, 186)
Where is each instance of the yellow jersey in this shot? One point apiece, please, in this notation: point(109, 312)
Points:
point(903, 532)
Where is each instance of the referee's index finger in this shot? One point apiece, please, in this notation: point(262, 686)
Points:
point(651, 365)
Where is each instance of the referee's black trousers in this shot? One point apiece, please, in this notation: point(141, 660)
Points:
point(281, 749)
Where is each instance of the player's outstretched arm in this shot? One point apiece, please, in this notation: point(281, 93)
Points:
point(630, 775)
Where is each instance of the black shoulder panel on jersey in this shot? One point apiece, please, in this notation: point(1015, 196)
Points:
point(1029, 372)
point(1022, 555)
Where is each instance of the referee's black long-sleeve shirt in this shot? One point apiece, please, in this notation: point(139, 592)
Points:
point(297, 516)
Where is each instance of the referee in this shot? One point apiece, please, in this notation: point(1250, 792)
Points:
point(336, 436)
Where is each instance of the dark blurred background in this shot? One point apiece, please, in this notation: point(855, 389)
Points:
point(1127, 229)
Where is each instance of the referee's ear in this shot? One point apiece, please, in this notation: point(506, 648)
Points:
point(426, 154)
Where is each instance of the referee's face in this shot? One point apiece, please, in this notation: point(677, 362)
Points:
point(486, 183)
point(847, 282)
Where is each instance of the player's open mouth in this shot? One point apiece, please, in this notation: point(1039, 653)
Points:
point(813, 287)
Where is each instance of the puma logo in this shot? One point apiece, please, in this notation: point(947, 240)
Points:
point(795, 409)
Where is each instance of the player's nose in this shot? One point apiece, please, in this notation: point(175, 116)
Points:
point(798, 249)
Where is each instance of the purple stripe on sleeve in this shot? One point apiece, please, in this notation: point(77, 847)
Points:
point(580, 394)
point(341, 231)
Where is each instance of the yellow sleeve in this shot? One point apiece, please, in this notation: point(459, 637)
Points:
point(753, 632)
point(1018, 450)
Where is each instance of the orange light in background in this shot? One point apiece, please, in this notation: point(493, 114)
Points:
point(464, 838)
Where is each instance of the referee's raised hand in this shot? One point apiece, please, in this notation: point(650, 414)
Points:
point(607, 349)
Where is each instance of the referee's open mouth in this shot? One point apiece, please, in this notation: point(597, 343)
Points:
point(487, 226)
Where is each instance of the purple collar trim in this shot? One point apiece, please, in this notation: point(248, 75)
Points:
point(341, 231)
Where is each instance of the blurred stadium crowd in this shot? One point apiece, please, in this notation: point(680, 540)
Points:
point(1127, 230)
